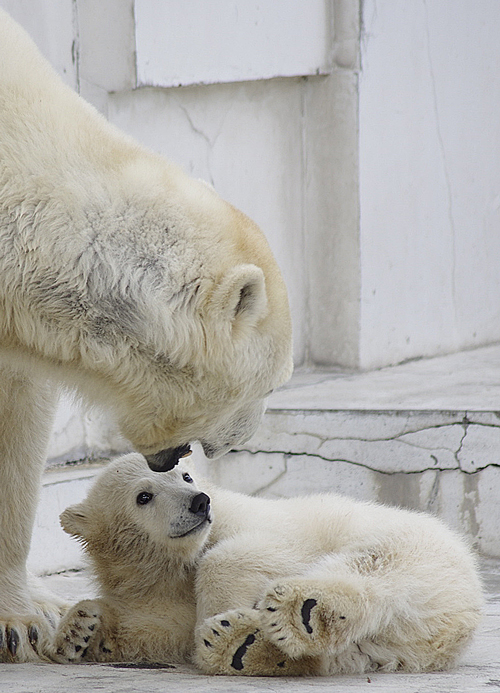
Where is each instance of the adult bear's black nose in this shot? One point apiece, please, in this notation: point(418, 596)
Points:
point(200, 505)
point(165, 460)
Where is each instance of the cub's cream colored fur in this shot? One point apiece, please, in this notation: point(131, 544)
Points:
point(121, 277)
point(314, 585)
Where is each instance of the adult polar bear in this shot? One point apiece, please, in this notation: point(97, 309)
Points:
point(124, 278)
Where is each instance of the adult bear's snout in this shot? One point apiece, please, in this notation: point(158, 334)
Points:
point(165, 460)
point(200, 505)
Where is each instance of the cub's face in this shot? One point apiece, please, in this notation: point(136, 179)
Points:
point(169, 505)
point(129, 500)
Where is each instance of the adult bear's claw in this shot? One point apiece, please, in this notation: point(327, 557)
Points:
point(33, 636)
point(12, 640)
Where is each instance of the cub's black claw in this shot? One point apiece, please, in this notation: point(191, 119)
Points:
point(12, 641)
point(307, 606)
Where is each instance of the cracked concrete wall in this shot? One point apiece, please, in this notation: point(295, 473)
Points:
point(427, 461)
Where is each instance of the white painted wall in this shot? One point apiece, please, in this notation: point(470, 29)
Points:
point(229, 41)
point(429, 157)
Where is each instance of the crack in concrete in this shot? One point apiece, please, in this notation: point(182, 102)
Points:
point(439, 135)
point(433, 494)
point(264, 488)
point(386, 439)
point(205, 137)
point(363, 465)
point(465, 423)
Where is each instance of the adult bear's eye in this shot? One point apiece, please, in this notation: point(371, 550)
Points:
point(143, 498)
point(187, 478)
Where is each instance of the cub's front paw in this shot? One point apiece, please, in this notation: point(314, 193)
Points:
point(77, 632)
point(232, 643)
point(306, 617)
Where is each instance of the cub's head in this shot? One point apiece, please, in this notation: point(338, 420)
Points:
point(134, 516)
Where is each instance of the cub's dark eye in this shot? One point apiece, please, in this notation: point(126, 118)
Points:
point(143, 498)
point(187, 478)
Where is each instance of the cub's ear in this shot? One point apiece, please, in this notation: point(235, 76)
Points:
point(241, 296)
point(74, 520)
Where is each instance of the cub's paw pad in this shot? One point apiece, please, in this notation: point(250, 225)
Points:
point(302, 621)
point(75, 633)
point(224, 641)
point(232, 643)
point(305, 613)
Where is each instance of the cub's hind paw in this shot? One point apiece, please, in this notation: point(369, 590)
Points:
point(304, 618)
point(76, 632)
point(232, 643)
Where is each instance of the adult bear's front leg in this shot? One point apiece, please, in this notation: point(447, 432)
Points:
point(26, 414)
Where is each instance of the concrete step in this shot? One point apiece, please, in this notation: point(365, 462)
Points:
point(424, 435)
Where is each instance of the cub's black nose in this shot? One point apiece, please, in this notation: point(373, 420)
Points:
point(200, 504)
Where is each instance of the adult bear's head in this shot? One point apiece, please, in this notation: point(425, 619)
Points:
point(217, 331)
point(129, 279)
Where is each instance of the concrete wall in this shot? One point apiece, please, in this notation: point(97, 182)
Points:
point(429, 153)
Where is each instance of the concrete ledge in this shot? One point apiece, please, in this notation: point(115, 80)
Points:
point(424, 435)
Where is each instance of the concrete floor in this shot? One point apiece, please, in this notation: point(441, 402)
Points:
point(479, 670)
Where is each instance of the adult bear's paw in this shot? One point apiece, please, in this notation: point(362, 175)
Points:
point(308, 617)
point(77, 632)
point(25, 638)
point(232, 643)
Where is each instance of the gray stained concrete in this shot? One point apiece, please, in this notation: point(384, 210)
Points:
point(478, 671)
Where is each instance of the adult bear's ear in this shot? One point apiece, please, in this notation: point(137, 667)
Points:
point(74, 520)
point(240, 296)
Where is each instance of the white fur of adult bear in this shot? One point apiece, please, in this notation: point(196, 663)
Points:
point(315, 585)
point(122, 277)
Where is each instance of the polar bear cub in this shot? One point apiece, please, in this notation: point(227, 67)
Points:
point(241, 585)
